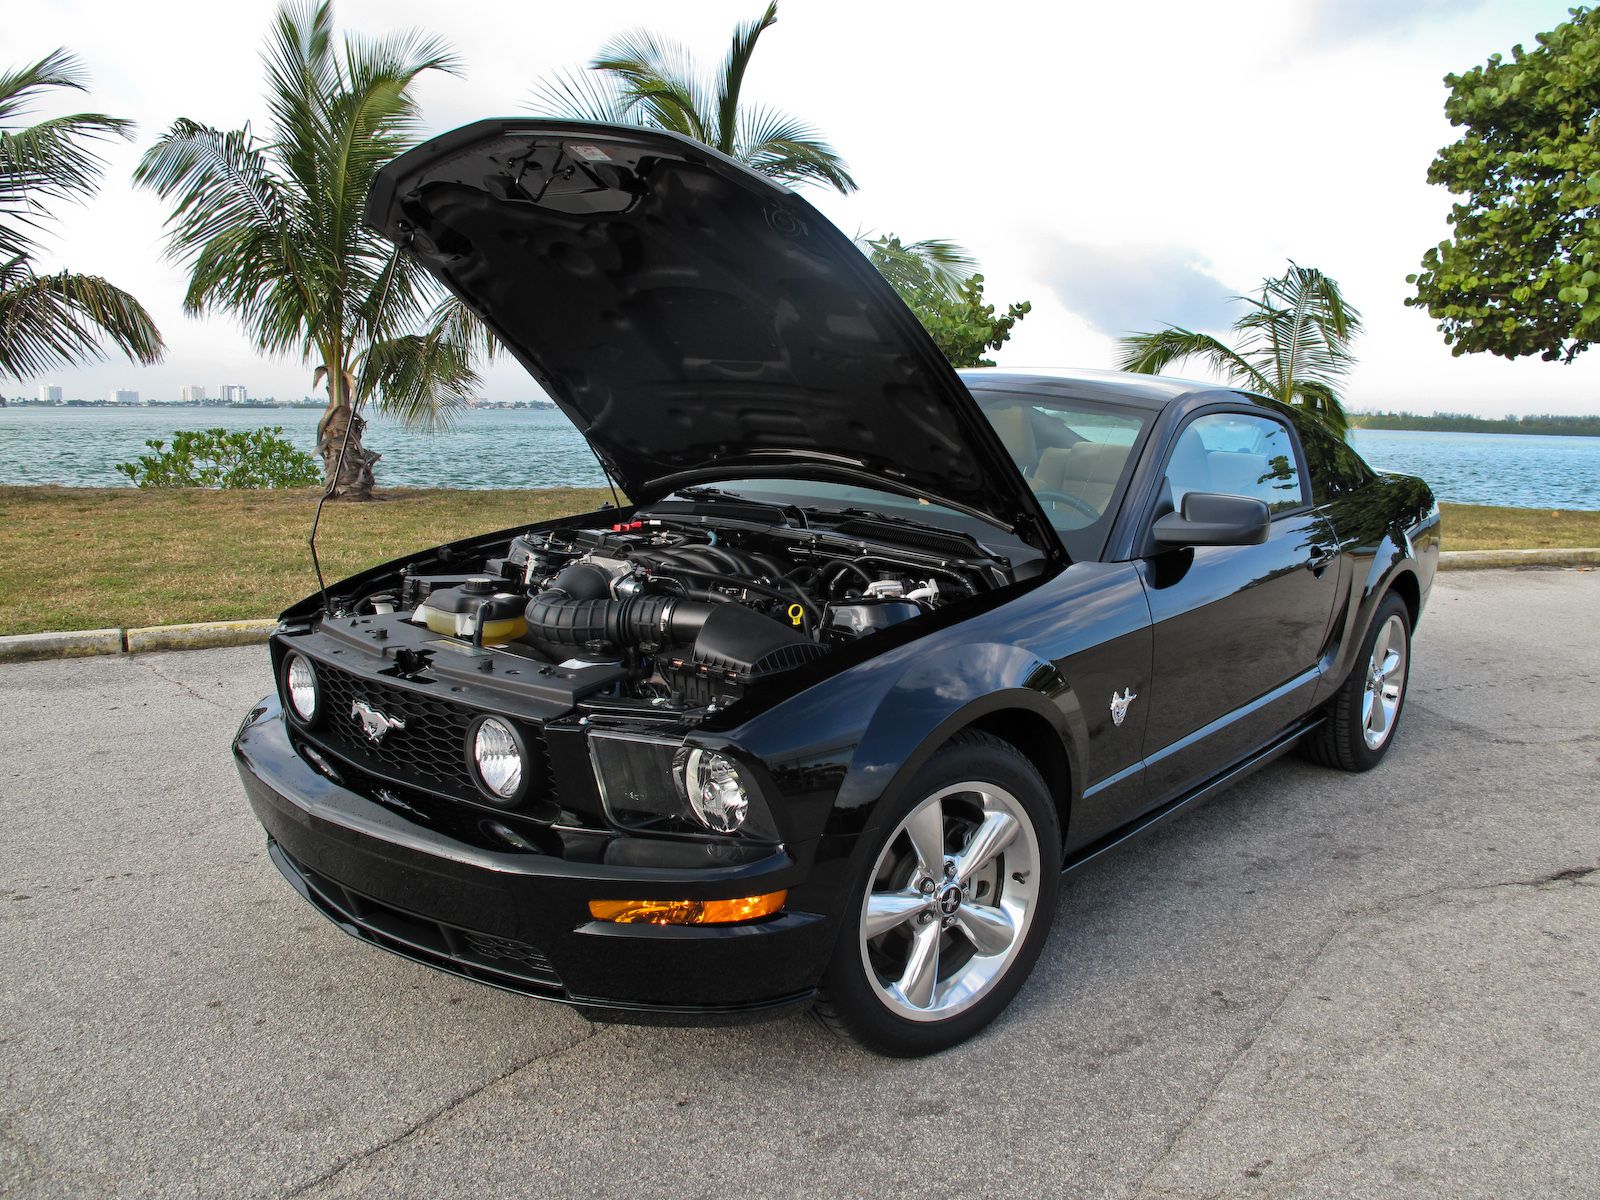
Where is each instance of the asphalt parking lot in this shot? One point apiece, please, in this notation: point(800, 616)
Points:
point(1315, 985)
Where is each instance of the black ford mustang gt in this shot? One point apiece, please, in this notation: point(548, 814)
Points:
point(876, 654)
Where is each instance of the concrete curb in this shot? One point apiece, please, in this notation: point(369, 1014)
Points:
point(1470, 560)
point(80, 643)
point(206, 635)
point(76, 643)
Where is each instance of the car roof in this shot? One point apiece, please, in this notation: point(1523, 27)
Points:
point(1151, 392)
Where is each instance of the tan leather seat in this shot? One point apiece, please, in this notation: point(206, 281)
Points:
point(1087, 470)
point(1015, 428)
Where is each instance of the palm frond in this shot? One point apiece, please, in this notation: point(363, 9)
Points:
point(730, 79)
point(584, 96)
point(19, 88)
point(782, 147)
point(1152, 353)
point(933, 266)
point(52, 159)
point(49, 321)
point(424, 379)
point(660, 84)
point(459, 324)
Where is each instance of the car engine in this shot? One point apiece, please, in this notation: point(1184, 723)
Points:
point(686, 610)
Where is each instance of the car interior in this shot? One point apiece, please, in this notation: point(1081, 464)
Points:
point(1079, 453)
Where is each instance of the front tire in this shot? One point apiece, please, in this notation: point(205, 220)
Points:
point(954, 905)
point(1364, 713)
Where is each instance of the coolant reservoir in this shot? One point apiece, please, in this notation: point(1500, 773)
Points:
point(454, 612)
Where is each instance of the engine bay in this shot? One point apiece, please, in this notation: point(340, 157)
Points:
point(686, 606)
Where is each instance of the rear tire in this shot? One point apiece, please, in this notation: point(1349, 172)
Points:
point(1365, 711)
point(953, 906)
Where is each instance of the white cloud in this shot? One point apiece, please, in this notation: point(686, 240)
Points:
point(1040, 135)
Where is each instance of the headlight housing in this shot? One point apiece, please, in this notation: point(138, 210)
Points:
point(666, 787)
point(498, 757)
point(715, 791)
point(300, 687)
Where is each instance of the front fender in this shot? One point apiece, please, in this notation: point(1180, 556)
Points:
point(933, 698)
point(1405, 555)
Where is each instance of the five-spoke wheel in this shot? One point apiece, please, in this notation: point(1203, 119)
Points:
point(1386, 678)
point(951, 898)
point(955, 905)
point(1360, 718)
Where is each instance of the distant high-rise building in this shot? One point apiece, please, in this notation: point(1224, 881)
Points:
point(124, 396)
point(190, 393)
point(234, 393)
point(49, 393)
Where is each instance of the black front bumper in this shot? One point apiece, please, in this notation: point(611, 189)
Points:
point(521, 920)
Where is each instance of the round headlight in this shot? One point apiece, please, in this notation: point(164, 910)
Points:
point(716, 793)
point(301, 678)
point(498, 758)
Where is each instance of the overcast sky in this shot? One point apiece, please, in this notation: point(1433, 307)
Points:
point(1119, 165)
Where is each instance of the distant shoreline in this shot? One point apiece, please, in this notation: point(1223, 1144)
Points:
point(1546, 424)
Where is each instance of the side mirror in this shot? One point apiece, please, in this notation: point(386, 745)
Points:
point(1210, 519)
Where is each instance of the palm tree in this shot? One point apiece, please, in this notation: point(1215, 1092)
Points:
point(61, 318)
point(641, 78)
point(271, 231)
point(1292, 343)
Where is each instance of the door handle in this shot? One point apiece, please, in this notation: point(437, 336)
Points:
point(1320, 559)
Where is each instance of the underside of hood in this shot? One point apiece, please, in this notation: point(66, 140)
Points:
point(694, 319)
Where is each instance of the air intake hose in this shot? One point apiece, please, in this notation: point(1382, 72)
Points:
point(562, 619)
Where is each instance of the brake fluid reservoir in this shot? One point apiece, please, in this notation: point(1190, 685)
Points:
point(454, 612)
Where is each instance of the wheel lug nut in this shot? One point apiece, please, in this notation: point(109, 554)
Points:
point(925, 887)
point(924, 918)
point(949, 869)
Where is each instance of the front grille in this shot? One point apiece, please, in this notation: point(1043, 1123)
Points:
point(481, 956)
point(429, 751)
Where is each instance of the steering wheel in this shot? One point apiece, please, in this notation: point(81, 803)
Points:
point(1076, 502)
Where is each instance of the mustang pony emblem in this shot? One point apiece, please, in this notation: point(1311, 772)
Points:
point(373, 723)
point(1119, 704)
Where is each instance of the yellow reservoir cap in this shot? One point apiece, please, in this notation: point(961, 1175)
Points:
point(687, 912)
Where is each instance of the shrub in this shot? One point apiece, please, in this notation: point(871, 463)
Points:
point(222, 458)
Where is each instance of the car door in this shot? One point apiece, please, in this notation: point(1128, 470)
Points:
point(1238, 631)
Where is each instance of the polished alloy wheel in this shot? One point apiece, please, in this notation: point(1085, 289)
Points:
point(950, 901)
point(1386, 679)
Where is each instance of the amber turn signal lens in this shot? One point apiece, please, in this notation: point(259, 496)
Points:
point(687, 912)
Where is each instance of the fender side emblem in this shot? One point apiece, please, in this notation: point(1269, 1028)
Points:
point(1119, 704)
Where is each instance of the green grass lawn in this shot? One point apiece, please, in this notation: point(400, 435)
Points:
point(84, 558)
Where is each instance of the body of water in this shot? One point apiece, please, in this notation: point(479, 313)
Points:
point(78, 447)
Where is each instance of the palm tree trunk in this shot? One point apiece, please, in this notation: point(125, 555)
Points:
point(346, 465)
point(351, 479)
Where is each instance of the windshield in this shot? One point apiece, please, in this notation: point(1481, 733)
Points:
point(1076, 455)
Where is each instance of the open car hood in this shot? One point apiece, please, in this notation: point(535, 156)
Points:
point(695, 320)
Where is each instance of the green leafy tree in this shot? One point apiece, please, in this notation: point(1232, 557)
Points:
point(1520, 273)
point(222, 458)
point(938, 282)
point(641, 78)
point(271, 232)
point(1292, 343)
point(59, 318)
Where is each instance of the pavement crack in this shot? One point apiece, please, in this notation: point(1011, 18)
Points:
point(1223, 1075)
point(1564, 876)
point(438, 1114)
point(180, 685)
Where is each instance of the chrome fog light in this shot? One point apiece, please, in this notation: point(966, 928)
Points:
point(499, 758)
point(716, 792)
point(301, 680)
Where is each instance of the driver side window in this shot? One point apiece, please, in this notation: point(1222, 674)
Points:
point(1236, 454)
